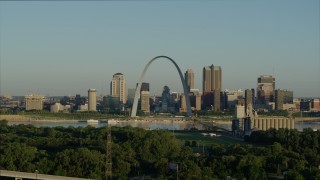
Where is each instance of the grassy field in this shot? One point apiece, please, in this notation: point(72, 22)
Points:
point(207, 141)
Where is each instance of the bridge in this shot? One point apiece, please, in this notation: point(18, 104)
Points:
point(24, 175)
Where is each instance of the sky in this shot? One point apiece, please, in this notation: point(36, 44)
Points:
point(60, 48)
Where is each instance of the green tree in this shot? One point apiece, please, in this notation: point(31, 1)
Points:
point(251, 167)
point(18, 156)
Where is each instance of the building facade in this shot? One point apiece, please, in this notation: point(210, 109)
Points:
point(34, 102)
point(265, 123)
point(287, 97)
point(131, 94)
point(183, 104)
point(111, 103)
point(189, 78)
point(232, 97)
point(265, 89)
point(56, 107)
point(118, 87)
point(145, 101)
point(278, 95)
point(92, 100)
point(315, 105)
point(240, 112)
point(248, 99)
point(212, 85)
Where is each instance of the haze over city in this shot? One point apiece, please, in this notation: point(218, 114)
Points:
point(65, 48)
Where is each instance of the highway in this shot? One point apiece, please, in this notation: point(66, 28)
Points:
point(24, 175)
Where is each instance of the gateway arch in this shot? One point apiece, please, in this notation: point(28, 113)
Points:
point(185, 89)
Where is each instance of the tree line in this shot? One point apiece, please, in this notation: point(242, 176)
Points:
point(80, 152)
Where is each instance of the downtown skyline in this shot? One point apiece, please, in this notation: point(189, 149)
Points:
point(65, 48)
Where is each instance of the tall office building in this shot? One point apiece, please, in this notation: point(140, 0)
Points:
point(279, 99)
point(265, 89)
point(34, 102)
point(248, 99)
point(212, 80)
point(144, 86)
point(111, 103)
point(131, 94)
point(216, 80)
point(231, 98)
point(183, 103)
point(145, 101)
point(287, 97)
point(118, 87)
point(253, 96)
point(144, 97)
point(189, 78)
point(92, 100)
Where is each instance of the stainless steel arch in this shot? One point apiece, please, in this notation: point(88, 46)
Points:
point(185, 89)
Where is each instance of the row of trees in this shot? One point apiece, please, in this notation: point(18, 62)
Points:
point(136, 152)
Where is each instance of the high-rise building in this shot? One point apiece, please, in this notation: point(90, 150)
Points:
point(265, 89)
point(305, 105)
point(278, 95)
point(216, 81)
point(131, 94)
point(195, 100)
point(92, 100)
point(111, 103)
point(118, 87)
point(248, 99)
point(34, 102)
point(253, 97)
point(189, 78)
point(231, 97)
point(183, 104)
point(206, 81)
point(145, 101)
point(212, 80)
point(287, 96)
point(217, 100)
point(239, 111)
point(144, 86)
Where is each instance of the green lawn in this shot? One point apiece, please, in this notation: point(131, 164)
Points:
point(205, 140)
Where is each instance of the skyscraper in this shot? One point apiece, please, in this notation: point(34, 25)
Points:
point(131, 94)
point(145, 101)
point(253, 96)
point(118, 87)
point(183, 106)
point(287, 97)
point(278, 99)
point(145, 97)
point(265, 89)
point(189, 78)
point(216, 78)
point(212, 80)
point(144, 86)
point(248, 99)
point(206, 82)
point(92, 100)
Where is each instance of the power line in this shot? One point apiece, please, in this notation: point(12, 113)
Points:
point(108, 154)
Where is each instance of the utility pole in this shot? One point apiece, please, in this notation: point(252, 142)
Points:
point(108, 154)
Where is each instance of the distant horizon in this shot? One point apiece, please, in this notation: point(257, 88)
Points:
point(73, 95)
point(55, 47)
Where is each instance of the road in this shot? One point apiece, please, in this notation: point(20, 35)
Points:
point(24, 175)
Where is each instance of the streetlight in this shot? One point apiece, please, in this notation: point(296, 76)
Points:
point(36, 171)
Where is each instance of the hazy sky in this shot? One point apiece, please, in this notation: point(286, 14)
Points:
point(65, 48)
